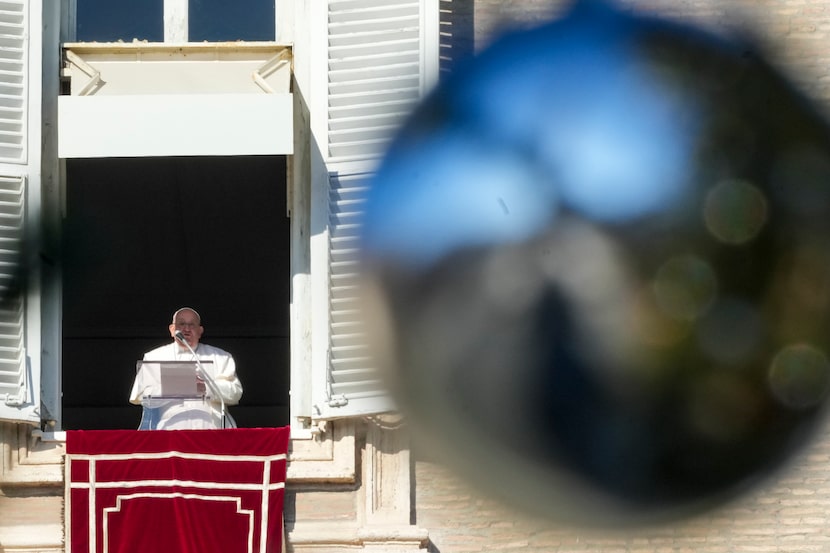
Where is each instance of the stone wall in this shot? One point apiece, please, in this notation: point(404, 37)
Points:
point(790, 513)
point(797, 32)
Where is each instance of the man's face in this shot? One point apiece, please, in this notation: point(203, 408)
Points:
point(188, 322)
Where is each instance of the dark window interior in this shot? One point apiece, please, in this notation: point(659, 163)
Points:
point(220, 20)
point(144, 236)
point(208, 20)
point(108, 21)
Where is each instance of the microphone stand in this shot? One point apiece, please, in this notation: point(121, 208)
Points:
point(202, 373)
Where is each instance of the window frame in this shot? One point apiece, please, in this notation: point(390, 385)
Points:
point(175, 14)
point(310, 179)
point(38, 170)
point(321, 451)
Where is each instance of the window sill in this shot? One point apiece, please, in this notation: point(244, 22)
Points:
point(29, 459)
point(35, 458)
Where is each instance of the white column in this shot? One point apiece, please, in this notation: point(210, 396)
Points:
point(387, 489)
point(175, 21)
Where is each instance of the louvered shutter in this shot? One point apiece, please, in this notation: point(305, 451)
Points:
point(353, 386)
point(18, 395)
point(378, 68)
point(13, 94)
point(19, 381)
point(374, 70)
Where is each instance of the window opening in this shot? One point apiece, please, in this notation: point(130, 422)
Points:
point(144, 236)
point(220, 20)
point(108, 21)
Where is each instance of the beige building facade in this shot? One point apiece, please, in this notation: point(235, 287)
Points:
point(354, 480)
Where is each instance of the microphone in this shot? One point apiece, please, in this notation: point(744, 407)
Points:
point(200, 371)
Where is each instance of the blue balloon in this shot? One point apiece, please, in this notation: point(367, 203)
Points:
point(597, 259)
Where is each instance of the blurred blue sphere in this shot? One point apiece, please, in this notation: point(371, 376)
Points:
point(598, 268)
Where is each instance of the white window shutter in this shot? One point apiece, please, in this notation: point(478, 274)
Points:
point(19, 397)
point(374, 73)
point(379, 65)
point(353, 385)
point(13, 80)
point(19, 381)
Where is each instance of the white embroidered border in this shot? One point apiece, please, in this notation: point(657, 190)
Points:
point(171, 495)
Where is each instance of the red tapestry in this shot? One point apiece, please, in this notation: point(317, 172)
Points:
point(187, 491)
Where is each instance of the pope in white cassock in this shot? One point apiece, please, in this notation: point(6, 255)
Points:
point(218, 363)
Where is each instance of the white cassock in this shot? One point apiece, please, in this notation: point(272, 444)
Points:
point(191, 414)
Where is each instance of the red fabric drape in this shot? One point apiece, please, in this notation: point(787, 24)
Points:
point(180, 490)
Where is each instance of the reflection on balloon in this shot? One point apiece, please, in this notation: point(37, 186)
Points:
point(735, 211)
point(598, 269)
point(800, 376)
point(685, 287)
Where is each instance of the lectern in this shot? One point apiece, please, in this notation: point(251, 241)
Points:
point(180, 395)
